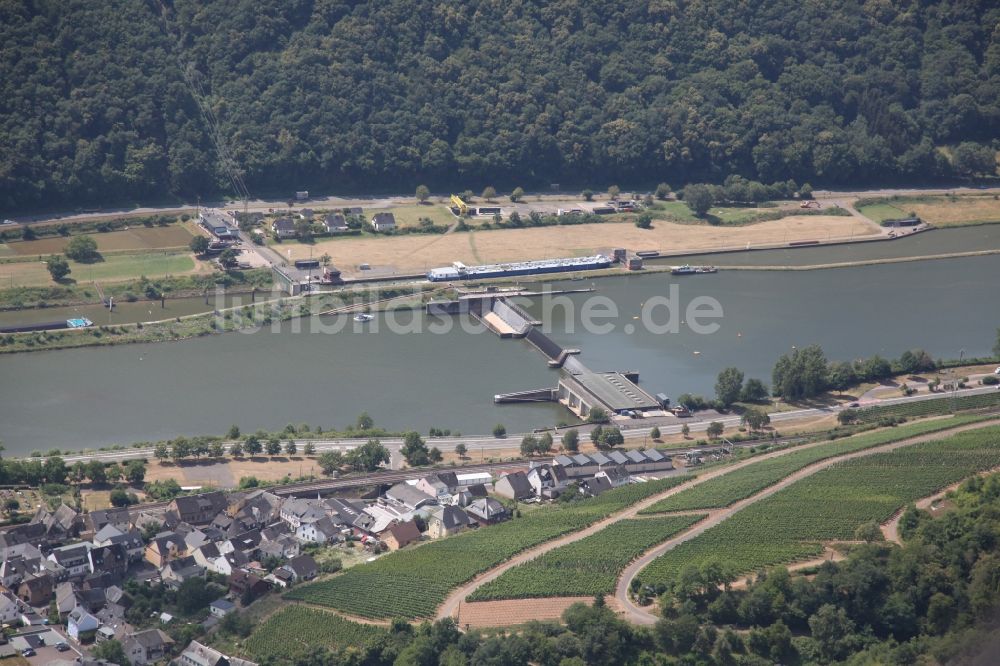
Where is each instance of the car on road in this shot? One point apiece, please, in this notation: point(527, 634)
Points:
point(61, 646)
point(28, 652)
point(997, 371)
point(854, 404)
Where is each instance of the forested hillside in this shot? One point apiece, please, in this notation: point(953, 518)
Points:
point(338, 96)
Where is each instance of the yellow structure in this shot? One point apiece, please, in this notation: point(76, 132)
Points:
point(463, 208)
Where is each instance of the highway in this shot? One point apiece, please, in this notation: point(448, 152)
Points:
point(478, 447)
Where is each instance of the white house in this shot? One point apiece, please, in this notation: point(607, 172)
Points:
point(221, 607)
point(383, 221)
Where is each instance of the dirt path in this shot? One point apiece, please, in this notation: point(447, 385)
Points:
point(830, 554)
point(450, 606)
point(513, 612)
point(639, 615)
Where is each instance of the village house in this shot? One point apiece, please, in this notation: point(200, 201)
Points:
point(283, 227)
point(295, 512)
point(400, 535)
point(547, 481)
point(383, 222)
point(440, 486)
point(164, 547)
point(81, 625)
point(109, 535)
point(301, 568)
point(36, 590)
point(513, 486)
point(146, 647)
point(335, 224)
point(322, 531)
point(447, 520)
point(617, 475)
point(409, 497)
point(247, 586)
point(113, 560)
point(199, 509)
point(177, 571)
point(220, 608)
point(487, 511)
point(10, 609)
point(17, 566)
point(196, 654)
point(72, 559)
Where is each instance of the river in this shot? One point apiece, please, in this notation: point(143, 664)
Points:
point(102, 396)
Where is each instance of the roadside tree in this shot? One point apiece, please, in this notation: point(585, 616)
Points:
point(698, 198)
point(571, 440)
point(330, 462)
point(252, 445)
point(728, 386)
point(715, 429)
point(368, 457)
point(614, 192)
point(82, 249)
point(435, 455)
point(290, 447)
point(236, 449)
point(499, 430)
point(489, 193)
point(461, 450)
point(529, 446)
point(423, 193)
point(58, 267)
point(199, 244)
point(517, 194)
point(414, 450)
point(662, 191)
point(544, 443)
point(654, 434)
point(273, 446)
point(309, 449)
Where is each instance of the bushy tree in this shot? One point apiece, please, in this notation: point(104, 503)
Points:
point(82, 248)
point(58, 267)
point(571, 440)
point(698, 198)
point(423, 193)
point(728, 386)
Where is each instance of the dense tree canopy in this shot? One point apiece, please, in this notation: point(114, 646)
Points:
point(97, 106)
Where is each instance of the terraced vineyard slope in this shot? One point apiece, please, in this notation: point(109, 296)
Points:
point(742, 483)
point(294, 630)
point(831, 504)
point(586, 567)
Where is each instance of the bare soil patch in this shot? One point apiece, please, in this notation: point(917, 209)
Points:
point(227, 473)
point(963, 210)
point(513, 612)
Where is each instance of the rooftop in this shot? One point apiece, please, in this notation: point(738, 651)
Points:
point(613, 390)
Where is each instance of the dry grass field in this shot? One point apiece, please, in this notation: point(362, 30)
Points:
point(135, 238)
point(939, 211)
point(418, 253)
point(114, 268)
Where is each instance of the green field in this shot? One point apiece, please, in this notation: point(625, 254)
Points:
point(115, 267)
point(293, 630)
point(587, 567)
point(831, 504)
point(413, 582)
point(881, 212)
point(742, 483)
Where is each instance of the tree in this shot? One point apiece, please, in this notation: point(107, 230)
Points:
point(82, 248)
point(801, 374)
point(662, 191)
point(364, 422)
point(199, 244)
point(273, 446)
point(595, 435)
point(96, 472)
point(754, 391)
point(806, 191)
point(435, 455)
point(368, 457)
point(216, 449)
point(529, 445)
point(111, 651)
point(54, 469)
point(423, 193)
point(698, 198)
point(290, 447)
point(544, 443)
point(869, 532)
point(916, 360)
point(233, 432)
point(330, 462)
point(571, 440)
point(644, 221)
point(755, 419)
point(119, 497)
point(614, 192)
point(831, 629)
point(588, 195)
point(841, 376)
point(715, 429)
point(461, 450)
point(414, 450)
point(610, 438)
point(161, 451)
point(236, 449)
point(499, 431)
point(729, 385)
point(58, 267)
point(685, 430)
point(598, 415)
point(517, 194)
point(489, 193)
point(309, 449)
point(228, 257)
point(654, 434)
point(135, 472)
point(971, 159)
point(252, 445)
point(847, 416)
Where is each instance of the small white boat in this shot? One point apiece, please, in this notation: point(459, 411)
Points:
point(363, 316)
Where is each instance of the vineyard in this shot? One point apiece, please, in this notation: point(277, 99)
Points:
point(742, 483)
point(587, 567)
point(293, 630)
point(942, 405)
point(413, 582)
point(831, 504)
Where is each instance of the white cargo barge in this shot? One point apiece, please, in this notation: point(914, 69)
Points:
point(459, 271)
